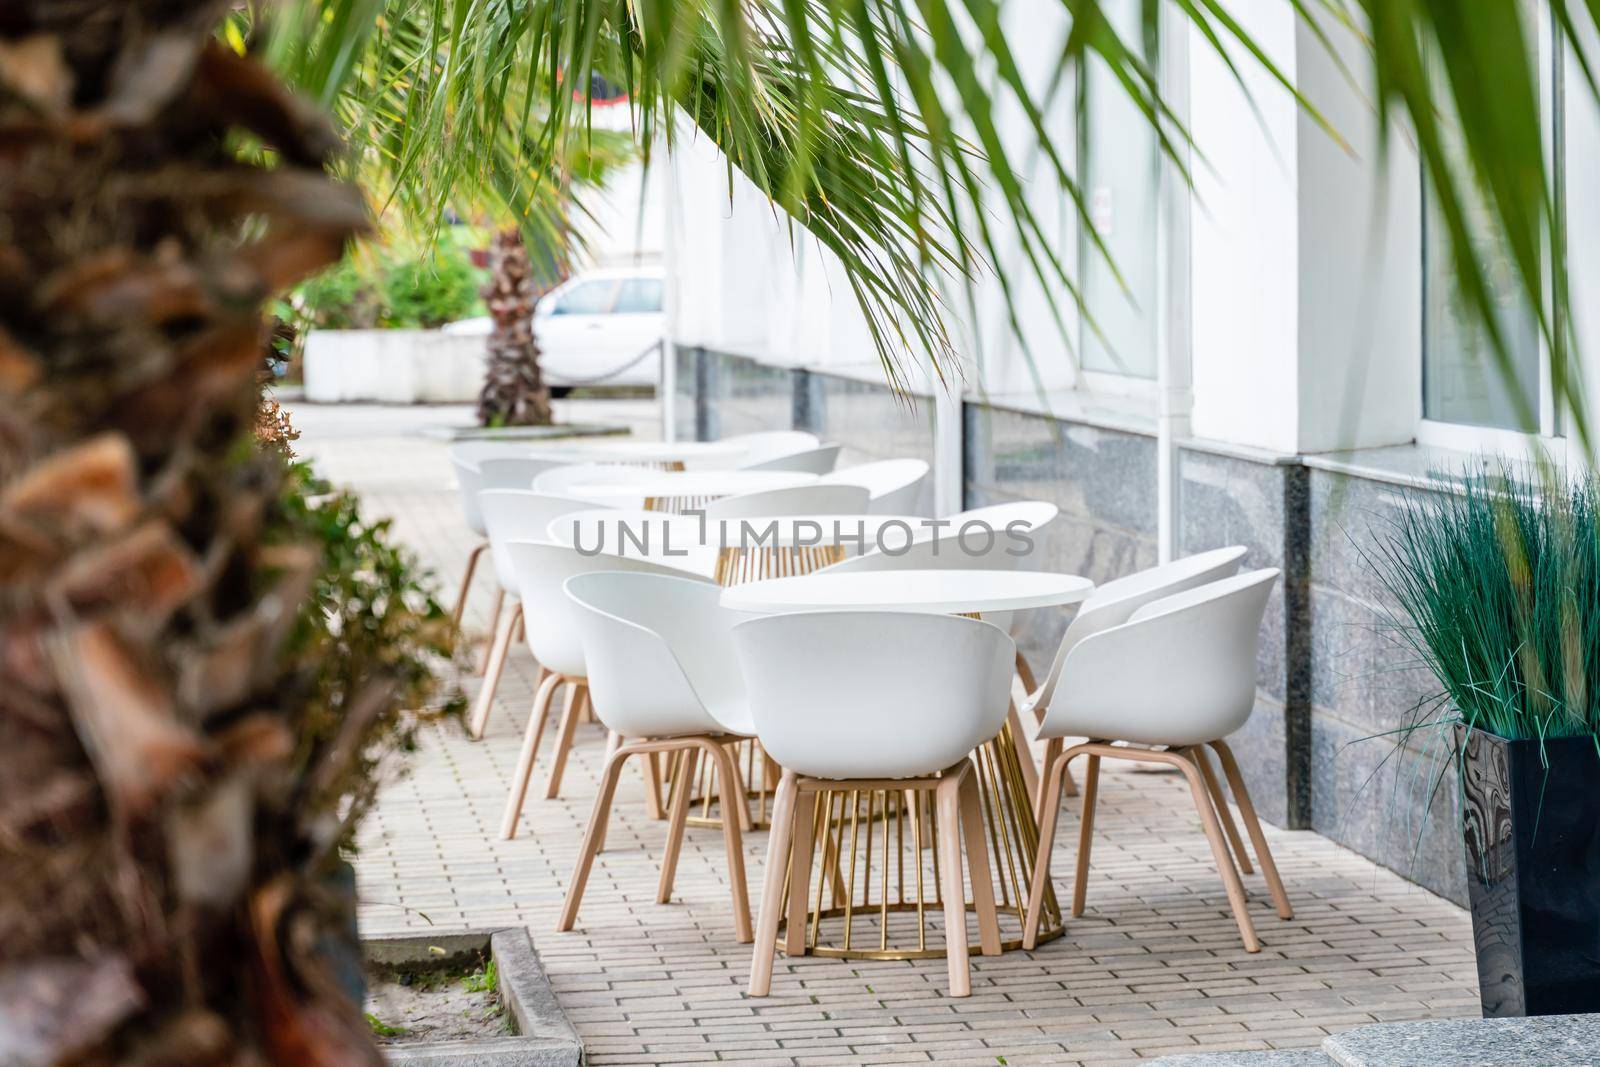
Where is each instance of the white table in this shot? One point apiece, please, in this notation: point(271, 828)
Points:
point(947, 592)
point(669, 455)
point(682, 490)
point(1003, 762)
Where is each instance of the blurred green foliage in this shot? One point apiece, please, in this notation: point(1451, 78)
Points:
point(397, 284)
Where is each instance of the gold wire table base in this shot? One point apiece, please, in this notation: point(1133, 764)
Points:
point(879, 844)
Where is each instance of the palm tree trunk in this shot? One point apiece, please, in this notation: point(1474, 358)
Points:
point(163, 852)
point(514, 393)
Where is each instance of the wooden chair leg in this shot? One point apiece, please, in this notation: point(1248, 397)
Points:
point(803, 823)
point(729, 782)
point(1052, 752)
point(466, 583)
point(494, 629)
point(569, 723)
point(978, 864)
point(1049, 810)
point(1252, 826)
point(1220, 802)
point(772, 887)
point(736, 798)
point(491, 676)
point(650, 767)
point(1019, 741)
point(1219, 849)
point(613, 742)
point(953, 889)
point(591, 839)
point(530, 748)
point(684, 764)
point(1091, 797)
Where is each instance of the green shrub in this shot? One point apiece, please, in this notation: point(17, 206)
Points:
point(400, 286)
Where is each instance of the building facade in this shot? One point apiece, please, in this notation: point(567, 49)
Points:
point(1282, 365)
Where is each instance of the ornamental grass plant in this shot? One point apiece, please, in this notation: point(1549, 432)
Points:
point(1497, 584)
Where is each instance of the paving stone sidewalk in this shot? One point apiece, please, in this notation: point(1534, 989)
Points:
point(1153, 968)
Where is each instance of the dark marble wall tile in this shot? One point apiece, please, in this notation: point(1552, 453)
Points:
point(1230, 500)
point(1397, 806)
point(1102, 480)
point(743, 396)
point(685, 392)
point(868, 419)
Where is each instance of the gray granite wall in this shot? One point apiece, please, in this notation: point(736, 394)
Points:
point(1393, 802)
point(1229, 499)
point(867, 418)
point(1102, 480)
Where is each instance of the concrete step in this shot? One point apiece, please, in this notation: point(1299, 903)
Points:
point(1545, 1041)
point(1297, 1058)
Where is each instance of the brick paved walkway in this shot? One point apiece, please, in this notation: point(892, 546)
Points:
point(1153, 967)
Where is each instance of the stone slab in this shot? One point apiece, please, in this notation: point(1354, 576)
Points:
point(1545, 1041)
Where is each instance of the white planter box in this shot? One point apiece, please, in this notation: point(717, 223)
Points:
point(393, 366)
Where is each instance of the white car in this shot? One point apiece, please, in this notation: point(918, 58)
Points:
point(598, 328)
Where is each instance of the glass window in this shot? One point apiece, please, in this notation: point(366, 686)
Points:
point(1119, 165)
point(1462, 381)
point(639, 295)
point(587, 298)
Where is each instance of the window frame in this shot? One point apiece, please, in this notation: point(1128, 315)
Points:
point(1550, 439)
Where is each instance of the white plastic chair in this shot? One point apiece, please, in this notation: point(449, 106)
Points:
point(661, 667)
point(1178, 675)
point(468, 481)
point(551, 629)
point(562, 479)
point(811, 461)
point(510, 515)
point(846, 700)
point(793, 500)
point(770, 444)
point(895, 484)
point(672, 540)
point(514, 472)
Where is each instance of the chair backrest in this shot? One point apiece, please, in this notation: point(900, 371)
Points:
point(514, 472)
point(760, 447)
point(1114, 602)
point(811, 461)
point(1026, 525)
point(562, 478)
point(674, 540)
point(977, 549)
point(548, 615)
point(1180, 671)
point(873, 694)
point(520, 515)
point(468, 481)
point(659, 652)
point(794, 500)
point(895, 484)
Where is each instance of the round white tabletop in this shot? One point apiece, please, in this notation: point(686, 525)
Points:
point(945, 591)
point(701, 484)
point(603, 450)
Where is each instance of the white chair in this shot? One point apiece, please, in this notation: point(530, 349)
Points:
point(792, 500)
point(552, 632)
point(665, 681)
point(811, 461)
point(1178, 675)
point(760, 447)
point(895, 484)
point(510, 515)
point(562, 479)
point(872, 700)
point(672, 540)
point(514, 472)
point(468, 481)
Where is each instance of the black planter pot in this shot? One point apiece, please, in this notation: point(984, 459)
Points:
point(1532, 825)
